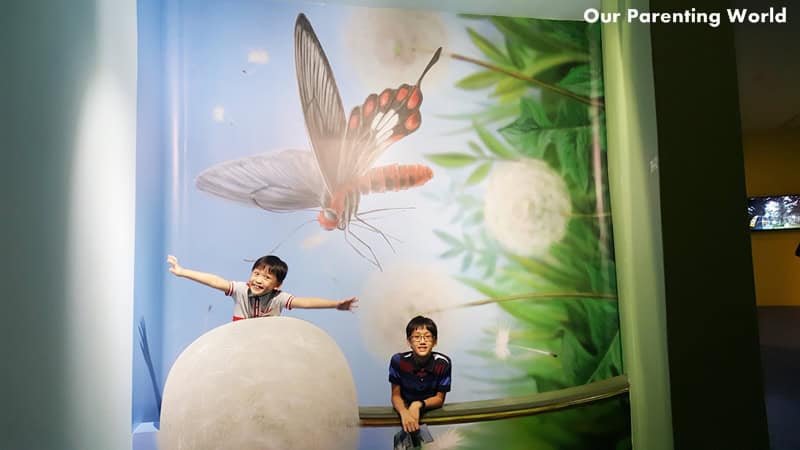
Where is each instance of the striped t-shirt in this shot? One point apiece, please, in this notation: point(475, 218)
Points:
point(246, 305)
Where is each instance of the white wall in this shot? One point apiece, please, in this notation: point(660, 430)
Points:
point(68, 90)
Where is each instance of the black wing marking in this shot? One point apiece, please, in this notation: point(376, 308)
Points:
point(380, 121)
point(322, 106)
point(275, 181)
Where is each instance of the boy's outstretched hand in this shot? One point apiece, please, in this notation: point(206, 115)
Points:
point(347, 304)
point(174, 267)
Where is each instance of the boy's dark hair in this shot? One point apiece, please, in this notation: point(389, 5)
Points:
point(421, 322)
point(274, 265)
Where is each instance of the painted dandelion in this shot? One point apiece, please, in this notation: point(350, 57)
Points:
point(391, 298)
point(388, 45)
point(502, 346)
point(526, 207)
point(449, 440)
point(501, 349)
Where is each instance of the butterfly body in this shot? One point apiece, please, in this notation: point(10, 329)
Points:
point(343, 204)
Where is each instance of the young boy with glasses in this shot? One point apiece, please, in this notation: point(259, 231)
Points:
point(420, 380)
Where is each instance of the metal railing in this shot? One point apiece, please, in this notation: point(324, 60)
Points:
point(504, 408)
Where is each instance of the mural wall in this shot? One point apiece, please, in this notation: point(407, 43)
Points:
point(426, 163)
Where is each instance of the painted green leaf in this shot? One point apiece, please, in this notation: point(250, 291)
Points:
point(448, 238)
point(479, 174)
point(571, 34)
point(578, 80)
point(475, 218)
point(532, 132)
point(611, 363)
point(466, 262)
point(546, 62)
point(493, 144)
point(451, 159)
point(487, 48)
point(583, 158)
point(517, 53)
point(584, 80)
point(475, 148)
point(579, 364)
point(480, 80)
point(534, 35)
point(481, 287)
point(451, 253)
point(565, 149)
point(512, 87)
point(543, 269)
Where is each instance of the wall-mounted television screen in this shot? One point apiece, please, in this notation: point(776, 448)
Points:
point(777, 212)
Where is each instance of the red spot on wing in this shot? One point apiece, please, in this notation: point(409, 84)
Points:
point(401, 94)
point(412, 121)
point(353, 124)
point(369, 105)
point(415, 99)
point(385, 97)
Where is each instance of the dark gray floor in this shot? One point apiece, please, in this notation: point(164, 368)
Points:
point(779, 328)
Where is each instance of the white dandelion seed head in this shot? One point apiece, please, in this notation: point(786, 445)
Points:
point(315, 240)
point(259, 56)
point(389, 47)
point(448, 440)
point(526, 206)
point(391, 298)
point(218, 114)
point(501, 349)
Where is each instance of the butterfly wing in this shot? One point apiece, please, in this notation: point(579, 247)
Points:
point(319, 96)
point(275, 181)
point(380, 121)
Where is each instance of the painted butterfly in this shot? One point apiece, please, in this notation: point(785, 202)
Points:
point(339, 170)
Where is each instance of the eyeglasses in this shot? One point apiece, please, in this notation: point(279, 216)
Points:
point(422, 337)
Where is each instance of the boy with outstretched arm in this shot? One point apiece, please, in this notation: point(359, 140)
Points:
point(260, 296)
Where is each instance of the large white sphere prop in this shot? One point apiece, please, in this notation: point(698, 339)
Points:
point(273, 383)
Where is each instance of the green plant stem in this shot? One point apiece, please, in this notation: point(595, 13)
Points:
point(529, 296)
point(592, 215)
point(597, 168)
point(531, 80)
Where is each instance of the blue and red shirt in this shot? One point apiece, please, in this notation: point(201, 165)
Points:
point(420, 380)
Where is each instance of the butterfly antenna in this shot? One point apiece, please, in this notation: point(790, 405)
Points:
point(290, 234)
point(374, 260)
point(394, 238)
point(375, 229)
point(402, 208)
point(430, 64)
point(282, 241)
